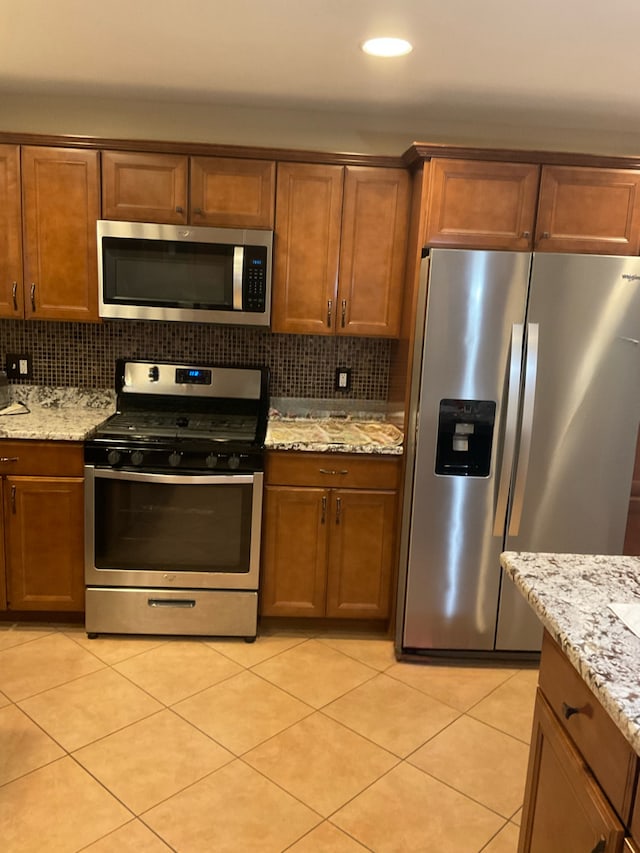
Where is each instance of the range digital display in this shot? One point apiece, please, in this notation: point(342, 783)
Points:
point(193, 376)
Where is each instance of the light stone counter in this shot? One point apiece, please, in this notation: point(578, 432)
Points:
point(571, 594)
point(54, 414)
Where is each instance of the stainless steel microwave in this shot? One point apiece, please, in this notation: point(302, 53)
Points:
point(148, 271)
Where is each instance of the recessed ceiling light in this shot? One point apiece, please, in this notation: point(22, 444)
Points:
point(387, 47)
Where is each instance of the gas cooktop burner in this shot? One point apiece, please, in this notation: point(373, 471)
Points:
point(184, 416)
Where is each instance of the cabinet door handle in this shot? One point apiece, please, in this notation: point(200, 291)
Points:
point(338, 509)
point(179, 209)
point(328, 471)
point(526, 234)
point(545, 235)
point(14, 295)
point(323, 519)
point(569, 710)
point(344, 313)
point(329, 311)
point(9, 459)
point(33, 295)
point(13, 499)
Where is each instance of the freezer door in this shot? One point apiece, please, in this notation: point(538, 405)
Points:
point(449, 548)
point(580, 434)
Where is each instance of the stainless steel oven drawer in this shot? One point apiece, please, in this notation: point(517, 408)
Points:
point(215, 613)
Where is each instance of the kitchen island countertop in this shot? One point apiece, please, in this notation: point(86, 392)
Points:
point(571, 594)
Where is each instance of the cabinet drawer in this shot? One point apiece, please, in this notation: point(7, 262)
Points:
point(41, 458)
point(332, 470)
point(603, 747)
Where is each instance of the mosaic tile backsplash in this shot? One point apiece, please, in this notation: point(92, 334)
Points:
point(83, 355)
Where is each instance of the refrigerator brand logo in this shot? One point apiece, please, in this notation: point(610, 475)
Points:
point(630, 277)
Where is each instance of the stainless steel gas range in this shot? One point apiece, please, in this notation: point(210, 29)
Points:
point(173, 502)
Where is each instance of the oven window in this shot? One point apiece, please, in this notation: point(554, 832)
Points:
point(172, 527)
point(167, 273)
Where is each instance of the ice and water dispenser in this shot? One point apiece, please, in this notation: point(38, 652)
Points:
point(465, 437)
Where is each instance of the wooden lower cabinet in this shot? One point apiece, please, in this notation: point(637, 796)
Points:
point(328, 551)
point(582, 772)
point(42, 520)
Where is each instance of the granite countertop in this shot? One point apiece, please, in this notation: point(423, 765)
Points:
point(322, 426)
point(59, 414)
point(571, 594)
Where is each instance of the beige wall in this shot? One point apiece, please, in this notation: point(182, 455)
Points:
point(371, 133)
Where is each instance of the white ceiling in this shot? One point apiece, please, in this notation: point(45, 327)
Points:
point(571, 63)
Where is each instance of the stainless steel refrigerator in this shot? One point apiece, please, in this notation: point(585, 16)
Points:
point(524, 416)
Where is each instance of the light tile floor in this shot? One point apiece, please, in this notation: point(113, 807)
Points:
point(308, 742)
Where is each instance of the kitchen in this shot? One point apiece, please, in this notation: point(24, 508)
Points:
point(76, 344)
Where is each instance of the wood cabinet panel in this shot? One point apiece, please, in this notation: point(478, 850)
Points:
point(139, 187)
point(41, 458)
point(361, 553)
point(227, 192)
point(373, 246)
point(343, 470)
point(589, 210)
point(294, 552)
point(44, 543)
point(481, 205)
point(595, 735)
point(564, 806)
point(307, 243)
point(11, 295)
point(3, 572)
point(60, 196)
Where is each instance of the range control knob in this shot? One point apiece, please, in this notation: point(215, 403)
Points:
point(234, 462)
point(174, 459)
point(137, 456)
point(211, 460)
point(113, 457)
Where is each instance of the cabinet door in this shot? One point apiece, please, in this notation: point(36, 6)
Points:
point(232, 193)
point(372, 252)
point(564, 806)
point(361, 552)
point(3, 573)
point(144, 187)
point(11, 304)
point(294, 551)
point(307, 242)
point(44, 543)
point(589, 210)
point(475, 204)
point(60, 200)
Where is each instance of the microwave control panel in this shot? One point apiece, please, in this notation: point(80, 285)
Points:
point(254, 291)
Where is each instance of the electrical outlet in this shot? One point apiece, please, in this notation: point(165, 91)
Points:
point(343, 379)
point(18, 365)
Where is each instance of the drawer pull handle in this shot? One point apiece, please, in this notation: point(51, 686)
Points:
point(323, 519)
point(569, 710)
point(171, 602)
point(9, 458)
point(328, 471)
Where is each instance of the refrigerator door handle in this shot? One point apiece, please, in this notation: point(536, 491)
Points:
point(511, 424)
point(528, 405)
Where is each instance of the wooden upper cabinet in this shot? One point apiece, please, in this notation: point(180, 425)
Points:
point(223, 192)
point(61, 203)
point(375, 221)
point(11, 302)
point(144, 187)
point(481, 205)
point(587, 210)
point(228, 192)
point(307, 245)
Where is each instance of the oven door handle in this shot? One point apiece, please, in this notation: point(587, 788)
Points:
point(173, 479)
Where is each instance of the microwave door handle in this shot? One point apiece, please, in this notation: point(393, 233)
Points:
point(238, 267)
point(511, 425)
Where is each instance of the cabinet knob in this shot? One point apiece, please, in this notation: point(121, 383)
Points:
point(33, 295)
point(569, 710)
point(14, 295)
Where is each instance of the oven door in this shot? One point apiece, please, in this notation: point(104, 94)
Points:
point(172, 531)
